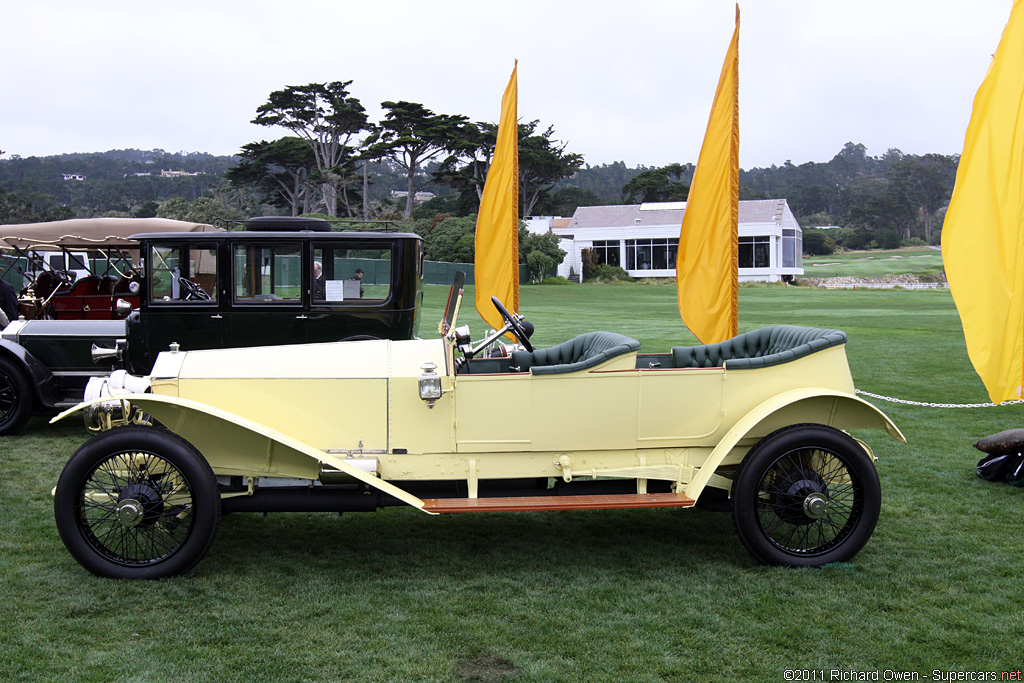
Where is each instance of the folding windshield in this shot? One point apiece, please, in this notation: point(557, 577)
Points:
point(352, 272)
point(454, 301)
point(268, 273)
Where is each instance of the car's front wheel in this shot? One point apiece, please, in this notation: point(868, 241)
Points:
point(805, 496)
point(137, 502)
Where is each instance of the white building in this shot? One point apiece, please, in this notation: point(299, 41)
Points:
point(643, 239)
point(419, 197)
point(542, 224)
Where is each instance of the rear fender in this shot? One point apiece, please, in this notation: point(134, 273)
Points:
point(818, 406)
point(235, 445)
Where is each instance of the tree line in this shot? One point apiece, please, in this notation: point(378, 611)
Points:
point(892, 200)
point(325, 161)
point(336, 162)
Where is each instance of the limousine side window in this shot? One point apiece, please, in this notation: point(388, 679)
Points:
point(345, 274)
point(183, 272)
point(268, 273)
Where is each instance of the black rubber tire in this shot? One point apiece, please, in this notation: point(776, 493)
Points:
point(16, 397)
point(144, 534)
point(806, 496)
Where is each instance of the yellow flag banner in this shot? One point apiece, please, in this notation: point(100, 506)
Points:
point(496, 270)
point(707, 274)
point(983, 233)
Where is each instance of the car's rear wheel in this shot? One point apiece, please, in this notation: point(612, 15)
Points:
point(806, 496)
point(15, 397)
point(137, 502)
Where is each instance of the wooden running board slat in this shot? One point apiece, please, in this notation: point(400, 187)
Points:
point(536, 503)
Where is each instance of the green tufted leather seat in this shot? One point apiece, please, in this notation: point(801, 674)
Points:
point(758, 349)
point(582, 352)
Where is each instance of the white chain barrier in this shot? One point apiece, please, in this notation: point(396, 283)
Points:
point(938, 405)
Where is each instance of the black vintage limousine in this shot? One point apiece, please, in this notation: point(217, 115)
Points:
point(278, 281)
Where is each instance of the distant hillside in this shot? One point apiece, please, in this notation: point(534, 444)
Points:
point(39, 172)
point(118, 180)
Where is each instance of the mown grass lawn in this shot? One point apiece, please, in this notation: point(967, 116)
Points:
point(633, 595)
point(918, 261)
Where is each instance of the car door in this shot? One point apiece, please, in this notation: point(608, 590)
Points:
point(494, 413)
point(267, 294)
point(185, 305)
point(351, 291)
point(679, 406)
point(584, 410)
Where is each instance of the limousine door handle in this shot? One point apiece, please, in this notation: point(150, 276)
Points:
point(216, 317)
point(301, 317)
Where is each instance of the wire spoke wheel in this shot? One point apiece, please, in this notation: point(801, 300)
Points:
point(137, 502)
point(135, 508)
point(807, 502)
point(806, 496)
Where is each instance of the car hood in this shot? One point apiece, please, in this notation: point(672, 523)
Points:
point(336, 360)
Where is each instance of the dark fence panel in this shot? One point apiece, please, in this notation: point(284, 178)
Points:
point(439, 273)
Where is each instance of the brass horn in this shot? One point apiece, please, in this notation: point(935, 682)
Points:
point(101, 354)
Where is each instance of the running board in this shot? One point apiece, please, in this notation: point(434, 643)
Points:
point(539, 503)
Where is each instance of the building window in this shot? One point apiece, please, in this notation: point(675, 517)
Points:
point(653, 254)
point(754, 252)
point(792, 249)
point(607, 251)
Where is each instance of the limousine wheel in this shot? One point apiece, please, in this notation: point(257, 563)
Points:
point(805, 496)
point(15, 397)
point(137, 502)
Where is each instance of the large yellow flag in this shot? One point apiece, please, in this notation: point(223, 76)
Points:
point(497, 225)
point(983, 234)
point(707, 274)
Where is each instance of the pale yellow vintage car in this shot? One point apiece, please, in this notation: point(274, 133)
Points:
point(447, 426)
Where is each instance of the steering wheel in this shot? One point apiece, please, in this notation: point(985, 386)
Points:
point(517, 329)
point(192, 290)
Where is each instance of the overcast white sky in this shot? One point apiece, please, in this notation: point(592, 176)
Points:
point(620, 80)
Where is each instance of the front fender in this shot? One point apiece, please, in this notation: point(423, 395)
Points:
point(39, 375)
point(230, 442)
point(821, 406)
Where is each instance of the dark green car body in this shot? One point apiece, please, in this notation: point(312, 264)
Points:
point(262, 291)
point(219, 290)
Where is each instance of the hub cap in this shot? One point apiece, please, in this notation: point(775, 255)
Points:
point(129, 513)
point(815, 506)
